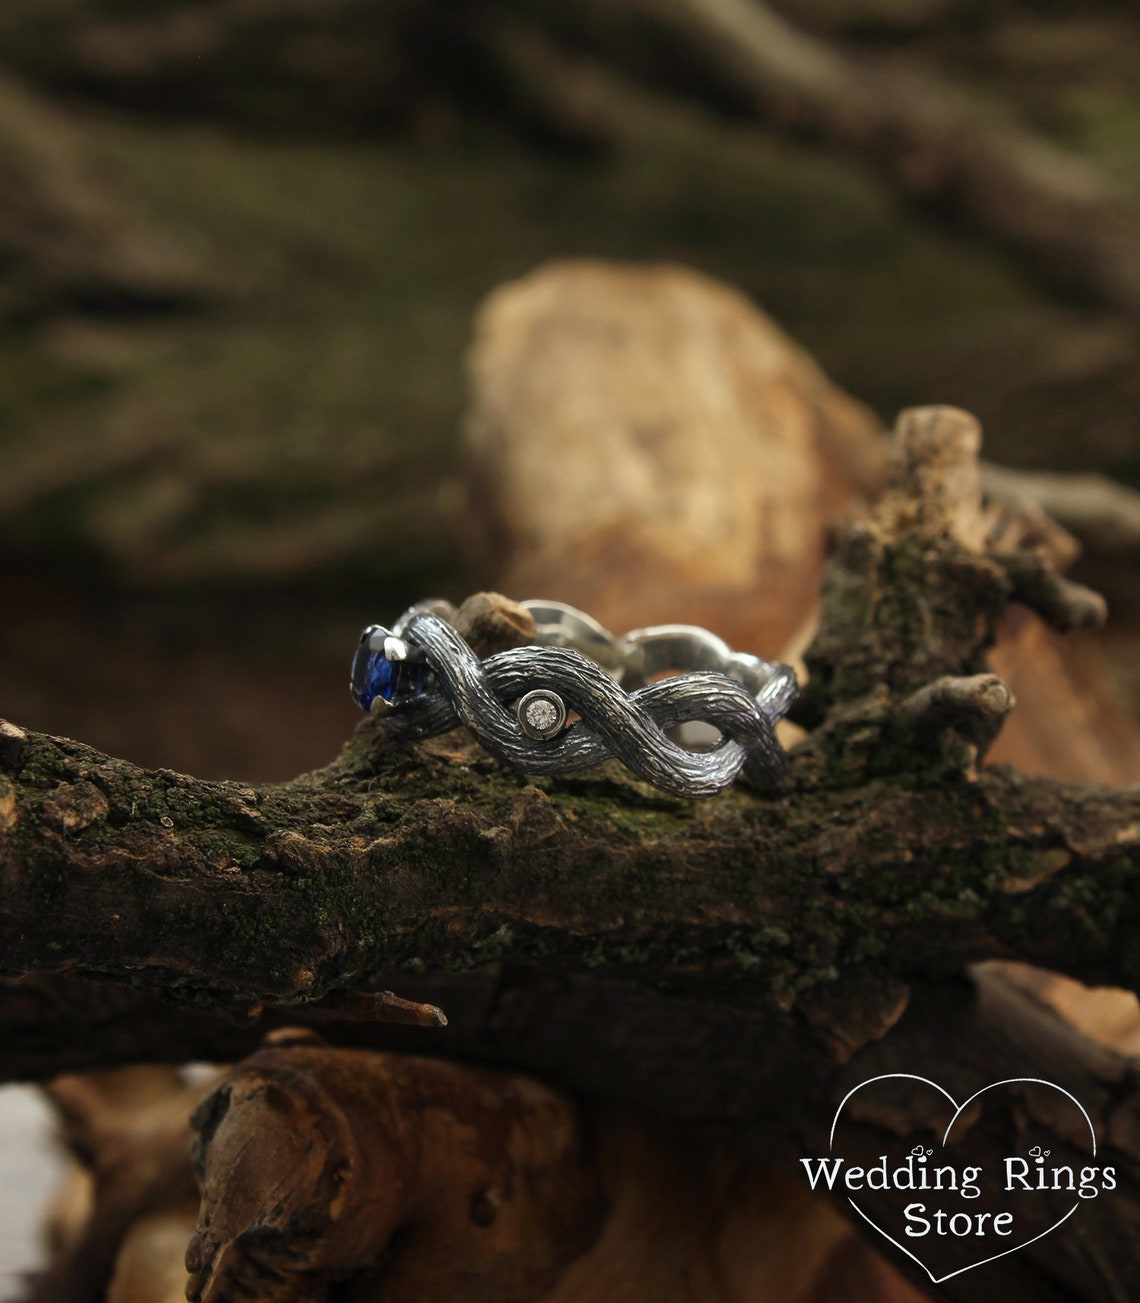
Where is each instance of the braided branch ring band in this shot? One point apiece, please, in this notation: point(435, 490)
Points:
point(423, 675)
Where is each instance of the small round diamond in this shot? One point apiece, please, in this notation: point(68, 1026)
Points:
point(541, 713)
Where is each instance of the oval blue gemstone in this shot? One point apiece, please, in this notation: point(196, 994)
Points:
point(372, 675)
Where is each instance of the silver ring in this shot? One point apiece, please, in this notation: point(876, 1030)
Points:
point(518, 703)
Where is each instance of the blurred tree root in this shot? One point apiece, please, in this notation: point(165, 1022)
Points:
point(1069, 224)
point(582, 75)
point(1067, 221)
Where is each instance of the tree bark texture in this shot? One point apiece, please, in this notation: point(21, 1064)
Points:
point(889, 848)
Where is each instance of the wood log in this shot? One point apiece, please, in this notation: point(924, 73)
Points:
point(232, 896)
point(710, 451)
point(316, 1163)
point(684, 1212)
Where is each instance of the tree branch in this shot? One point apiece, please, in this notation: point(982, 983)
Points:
point(888, 850)
point(233, 897)
point(1049, 206)
point(1103, 514)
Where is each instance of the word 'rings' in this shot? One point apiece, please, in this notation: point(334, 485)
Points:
point(518, 703)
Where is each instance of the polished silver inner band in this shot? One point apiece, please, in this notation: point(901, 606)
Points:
point(642, 654)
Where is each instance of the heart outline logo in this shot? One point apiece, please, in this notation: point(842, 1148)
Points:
point(958, 1110)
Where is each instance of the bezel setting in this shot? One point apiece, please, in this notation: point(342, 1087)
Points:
point(541, 714)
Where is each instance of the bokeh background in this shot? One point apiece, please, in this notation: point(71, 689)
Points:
point(242, 243)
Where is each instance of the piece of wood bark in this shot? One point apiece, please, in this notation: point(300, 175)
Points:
point(709, 451)
point(410, 1179)
point(134, 1193)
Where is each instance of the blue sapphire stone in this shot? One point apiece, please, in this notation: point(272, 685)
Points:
point(373, 675)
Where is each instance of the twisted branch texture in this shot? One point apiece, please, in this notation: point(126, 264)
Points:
point(630, 726)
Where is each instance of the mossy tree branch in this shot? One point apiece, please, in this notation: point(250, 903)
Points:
point(416, 860)
point(888, 850)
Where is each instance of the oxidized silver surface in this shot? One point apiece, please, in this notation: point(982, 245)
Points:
point(580, 664)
